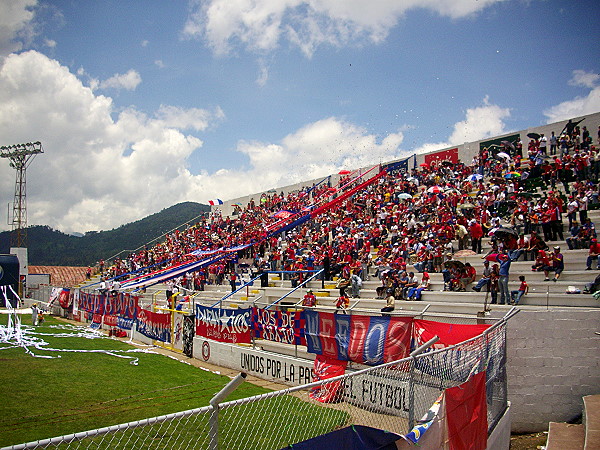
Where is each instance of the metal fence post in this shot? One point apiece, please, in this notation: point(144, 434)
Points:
point(213, 421)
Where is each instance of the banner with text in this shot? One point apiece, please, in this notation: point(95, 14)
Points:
point(362, 339)
point(450, 155)
point(223, 325)
point(119, 308)
point(154, 325)
point(278, 326)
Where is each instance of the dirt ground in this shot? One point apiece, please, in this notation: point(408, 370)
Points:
point(528, 441)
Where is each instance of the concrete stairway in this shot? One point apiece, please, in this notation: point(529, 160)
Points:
point(584, 436)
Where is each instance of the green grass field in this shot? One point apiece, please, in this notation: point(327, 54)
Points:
point(44, 398)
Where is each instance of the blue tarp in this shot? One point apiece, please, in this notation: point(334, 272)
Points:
point(354, 437)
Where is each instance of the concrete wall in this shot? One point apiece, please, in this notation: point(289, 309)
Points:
point(553, 360)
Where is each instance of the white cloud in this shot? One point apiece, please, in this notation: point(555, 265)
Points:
point(263, 74)
point(480, 122)
point(159, 63)
point(584, 79)
point(260, 24)
point(16, 27)
point(101, 169)
point(580, 105)
point(128, 81)
point(96, 172)
point(194, 118)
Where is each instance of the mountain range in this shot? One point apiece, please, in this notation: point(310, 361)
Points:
point(49, 247)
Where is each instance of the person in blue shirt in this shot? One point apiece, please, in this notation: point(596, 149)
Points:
point(505, 260)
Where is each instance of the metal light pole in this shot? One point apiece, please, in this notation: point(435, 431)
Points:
point(20, 156)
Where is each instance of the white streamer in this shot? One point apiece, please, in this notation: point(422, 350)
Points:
point(26, 337)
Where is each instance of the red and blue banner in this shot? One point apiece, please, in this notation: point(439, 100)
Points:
point(224, 325)
point(154, 325)
point(278, 326)
point(362, 339)
point(119, 308)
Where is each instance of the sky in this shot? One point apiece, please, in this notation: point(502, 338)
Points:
point(142, 104)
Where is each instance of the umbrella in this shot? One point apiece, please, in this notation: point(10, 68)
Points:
point(497, 180)
point(503, 155)
point(454, 263)
point(533, 135)
point(411, 179)
point(447, 163)
point(344, 172)
point(466, 206)
point(434, 190)
point(404, 196)
point(424, 165)
point(508, 145)
point(512, 175)
point(504, 233)
point(474, 177)
point(452, 191)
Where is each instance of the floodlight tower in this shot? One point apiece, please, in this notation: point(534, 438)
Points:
point(20, 156)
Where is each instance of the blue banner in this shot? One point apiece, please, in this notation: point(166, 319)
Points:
point(397, 168)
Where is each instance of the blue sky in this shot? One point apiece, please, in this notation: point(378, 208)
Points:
point(143, 104)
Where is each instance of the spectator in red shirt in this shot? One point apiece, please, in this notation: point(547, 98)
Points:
point(593, 255)
point(476, 232)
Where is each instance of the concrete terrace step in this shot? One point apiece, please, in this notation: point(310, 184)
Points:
point(585, 436)
point(565, 436)
point(591, 419)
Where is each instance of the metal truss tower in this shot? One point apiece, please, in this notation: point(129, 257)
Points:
point(20, 156)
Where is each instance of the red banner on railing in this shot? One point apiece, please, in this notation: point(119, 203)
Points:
point(449, 333)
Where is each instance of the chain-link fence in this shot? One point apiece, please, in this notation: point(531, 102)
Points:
point(390, 397)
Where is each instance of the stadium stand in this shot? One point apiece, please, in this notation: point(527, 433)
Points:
point(440, 216)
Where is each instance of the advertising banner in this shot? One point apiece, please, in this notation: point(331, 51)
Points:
point(397, 168)
point(445, 155)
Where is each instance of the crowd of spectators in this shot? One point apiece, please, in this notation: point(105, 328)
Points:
point(404, 223)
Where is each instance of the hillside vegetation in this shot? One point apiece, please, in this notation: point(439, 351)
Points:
point(49, 247)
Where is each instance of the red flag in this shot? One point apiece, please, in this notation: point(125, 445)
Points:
point(325, 368)
point(466, 414)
